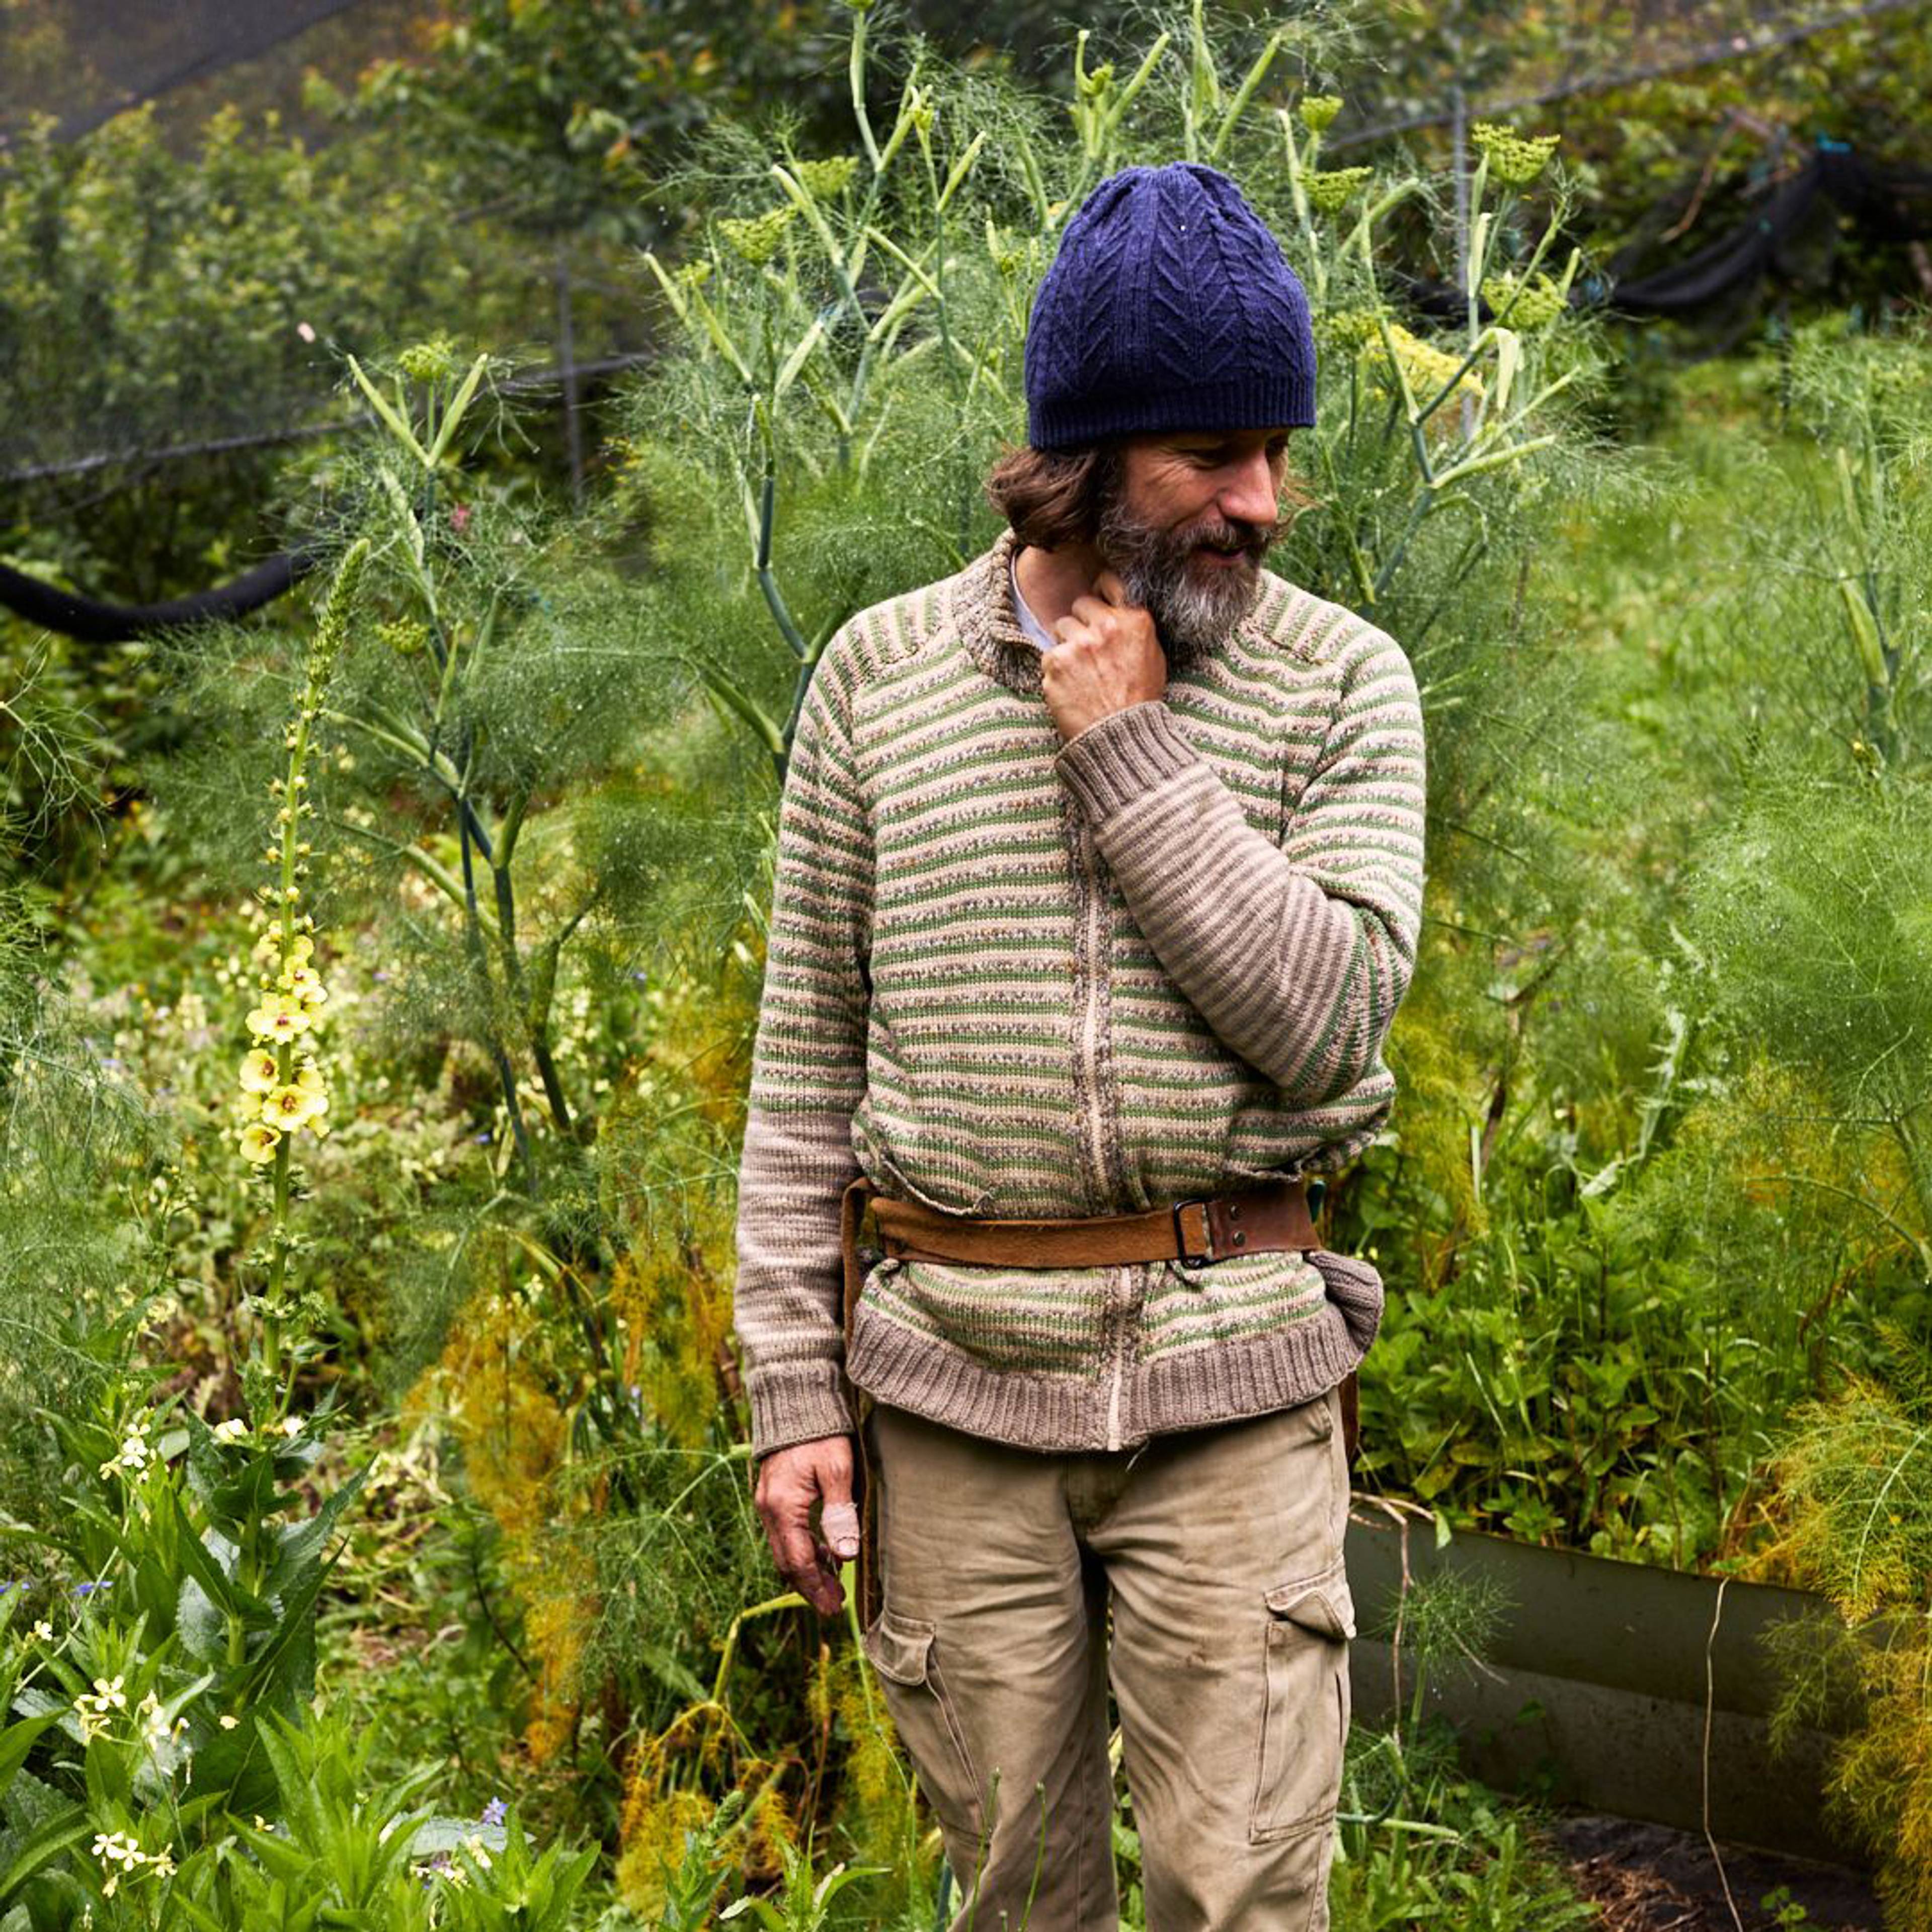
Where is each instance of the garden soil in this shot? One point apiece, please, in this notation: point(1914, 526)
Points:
point(1649, 1878)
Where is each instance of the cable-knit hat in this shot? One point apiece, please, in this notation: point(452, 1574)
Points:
point(1169, 307)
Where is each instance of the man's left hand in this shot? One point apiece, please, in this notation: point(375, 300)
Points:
point(1108, 658)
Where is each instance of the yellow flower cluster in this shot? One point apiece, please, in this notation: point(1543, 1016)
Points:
point(1008, 256)
point(1513, 159)
point(431, 362)
point(1318, 110)
point(1537, 303)
point(824, 179)
point(1347, 328)
point(1426, 366)
point(280, 1091)
point(1330, 188)
point(755, 239)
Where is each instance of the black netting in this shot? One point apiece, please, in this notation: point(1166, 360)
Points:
point(1790, 240)
point(83, 61)
point(1887, 205)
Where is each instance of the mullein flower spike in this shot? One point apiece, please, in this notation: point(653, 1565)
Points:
point(281, 1092)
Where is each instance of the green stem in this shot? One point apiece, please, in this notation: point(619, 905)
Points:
point(855, 68)
point(480, 965)
point(520, 991)
point(767, 582)
point(1424, 503)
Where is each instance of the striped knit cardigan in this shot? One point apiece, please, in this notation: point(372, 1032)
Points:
point(1009, 976)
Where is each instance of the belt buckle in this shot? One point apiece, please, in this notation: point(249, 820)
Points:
point(1187, 1259)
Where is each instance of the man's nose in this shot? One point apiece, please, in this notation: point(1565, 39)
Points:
point(1248, 495)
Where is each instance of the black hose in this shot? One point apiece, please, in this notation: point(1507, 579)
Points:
point(93, 622)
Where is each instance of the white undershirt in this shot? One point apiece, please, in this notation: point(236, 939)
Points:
point(1037, 634)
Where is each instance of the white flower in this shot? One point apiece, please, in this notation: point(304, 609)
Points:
point(233, 1430)
point(133, 1456)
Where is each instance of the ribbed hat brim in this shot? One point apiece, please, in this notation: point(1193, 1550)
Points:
point(1285, 402)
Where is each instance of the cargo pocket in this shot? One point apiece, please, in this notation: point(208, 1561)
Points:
point(1305, 1712)
point(902, 1652)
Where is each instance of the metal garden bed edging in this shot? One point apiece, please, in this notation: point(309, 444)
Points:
point(1629, 1689)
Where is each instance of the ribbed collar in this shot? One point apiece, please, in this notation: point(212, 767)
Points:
point(989, 626)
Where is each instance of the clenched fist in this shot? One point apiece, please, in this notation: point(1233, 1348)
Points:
point(1108, 658)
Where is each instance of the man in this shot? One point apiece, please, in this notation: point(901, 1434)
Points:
point(1099, 878)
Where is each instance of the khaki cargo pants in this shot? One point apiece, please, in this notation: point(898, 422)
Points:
point(1218, 1551)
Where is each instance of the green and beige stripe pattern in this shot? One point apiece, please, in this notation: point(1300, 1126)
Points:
point(1008, 976)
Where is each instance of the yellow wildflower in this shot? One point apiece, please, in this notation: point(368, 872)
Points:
point(756, 239)
point(259, 1073)
point(258, 1142)
point(1513, 158)
point(305, 983)
point(288, 1107)
point(1330, 188)
point(1426, 368)
point(1348, 328)
point(1317, 110)
point(1537, 303)
point(269, 946)
point(431, 362)
point(823, 179)
point(279, 1017)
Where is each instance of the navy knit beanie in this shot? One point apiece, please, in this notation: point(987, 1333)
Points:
point(1169, 307)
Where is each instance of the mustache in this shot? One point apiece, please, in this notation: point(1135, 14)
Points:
point(1229, 534)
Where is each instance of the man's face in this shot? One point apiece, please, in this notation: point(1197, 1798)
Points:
point(1187, 529)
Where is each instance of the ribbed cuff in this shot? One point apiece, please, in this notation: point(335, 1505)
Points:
point(1119, 757)
point(802, 1401)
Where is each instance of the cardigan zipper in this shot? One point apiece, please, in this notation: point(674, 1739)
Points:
point(1119, 1290)
point(1094, 913)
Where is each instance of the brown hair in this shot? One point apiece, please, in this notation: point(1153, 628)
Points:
point(1055, 497)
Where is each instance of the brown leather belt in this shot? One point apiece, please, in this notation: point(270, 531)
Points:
point(1270, 1218)
point(1273, 1218)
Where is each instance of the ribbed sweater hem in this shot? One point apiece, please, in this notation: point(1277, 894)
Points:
point(1224, 1382)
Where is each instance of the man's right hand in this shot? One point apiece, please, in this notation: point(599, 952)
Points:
point(792, 1483)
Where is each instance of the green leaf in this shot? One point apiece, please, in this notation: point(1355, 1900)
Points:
point(453, 416)
point(47, 1842)
point(19, 1739)
point(394, 423)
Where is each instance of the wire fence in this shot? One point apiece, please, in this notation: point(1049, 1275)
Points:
point(1732, 47)
point(564, 378)
point(567, 375)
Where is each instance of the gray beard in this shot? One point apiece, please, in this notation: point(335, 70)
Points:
point(1192, 615)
